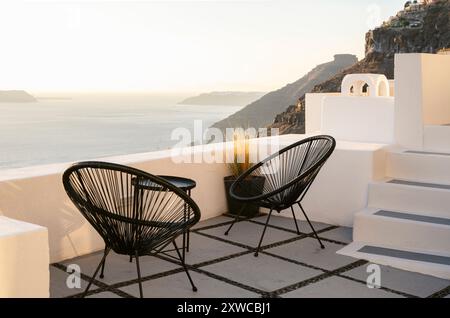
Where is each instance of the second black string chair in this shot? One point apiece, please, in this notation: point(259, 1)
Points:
point(287, 176)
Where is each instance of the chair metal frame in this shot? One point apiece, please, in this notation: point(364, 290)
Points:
point(142, 226)
point(292, 192)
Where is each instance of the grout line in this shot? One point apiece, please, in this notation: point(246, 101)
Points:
point(225, 240)
point(272, 245)
point(231, 282)
point(196, 268)
point(328, 228)
point(148, 278)
point(103, 287)
point(221, 259)
point(393, 291)
point(212, 226)
point(318, 278)
point(295, 262)
point(442, 293)
point(251, 248)
point(83, 276)
point(208, 227)
point(114, 287)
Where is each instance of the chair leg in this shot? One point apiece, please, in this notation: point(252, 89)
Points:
point(236, 219)
point(141, 294)
point(264, 232)
point(295, 220)
point(184, 245)
point(131, 258)
point(307, 219)
point(188, 240)
point(183, 263)
point(96, 271)
point(103, 266)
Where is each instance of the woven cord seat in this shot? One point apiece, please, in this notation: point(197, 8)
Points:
point(132, 221)
point(283, 179)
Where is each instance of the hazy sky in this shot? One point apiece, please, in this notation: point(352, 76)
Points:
point(184, 46)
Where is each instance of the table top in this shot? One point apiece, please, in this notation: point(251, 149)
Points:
point(180, 182)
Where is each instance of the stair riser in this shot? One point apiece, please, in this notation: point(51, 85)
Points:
point(425, 201)
point(402, 234)
point(419, 167)
point(437, 138)
point(441, 271)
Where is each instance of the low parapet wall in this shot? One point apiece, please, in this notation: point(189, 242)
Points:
point(36, 194)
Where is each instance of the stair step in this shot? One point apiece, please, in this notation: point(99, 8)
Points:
point(402, 230)
point(428, 199)
point(421, 261)
point(420, 184)
point(412, 256)
point(419, 166)
point(417, 152)
point(413, 217)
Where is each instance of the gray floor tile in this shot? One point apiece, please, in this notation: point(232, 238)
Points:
point(205, 249)
point(341, 234)
point(58, 286)
point(249, 234)
point(408, 282)
point(288, 223)
point(308, 251)
point(337, 287)
point(264, 272)
point(178, 286)
point(212, 221)
point(118, 268)
point(104, 295)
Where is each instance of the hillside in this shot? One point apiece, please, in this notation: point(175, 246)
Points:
point(16, 96)
point(223, 98)
point(261, 112)
point(423, 31)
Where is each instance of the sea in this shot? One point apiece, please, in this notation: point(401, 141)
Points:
point(89, 126)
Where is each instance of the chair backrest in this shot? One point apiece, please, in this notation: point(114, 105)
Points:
point(126, 215)
point(287, 174)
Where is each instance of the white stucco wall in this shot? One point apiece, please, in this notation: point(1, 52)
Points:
point(436, 89)
point(362, 119)
point(422, 96)
point(24, 260)
point(313, 116)
point(36, 194)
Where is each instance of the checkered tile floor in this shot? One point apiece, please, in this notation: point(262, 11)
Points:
point(224, 266)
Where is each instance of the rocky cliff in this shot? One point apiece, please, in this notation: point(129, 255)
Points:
point(260, 113)
point(426, 30)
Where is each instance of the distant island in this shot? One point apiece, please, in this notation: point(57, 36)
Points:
point(223, 98)
point(16, 96)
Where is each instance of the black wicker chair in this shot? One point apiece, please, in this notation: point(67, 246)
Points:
point(132, 220)
point(284, 179)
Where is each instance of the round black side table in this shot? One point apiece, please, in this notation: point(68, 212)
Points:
point(184, 184)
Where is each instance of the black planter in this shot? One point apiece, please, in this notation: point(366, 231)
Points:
point(254, 185)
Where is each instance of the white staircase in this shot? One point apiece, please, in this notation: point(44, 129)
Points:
point(407, 221)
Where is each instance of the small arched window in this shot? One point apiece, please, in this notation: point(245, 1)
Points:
point(366, 89)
